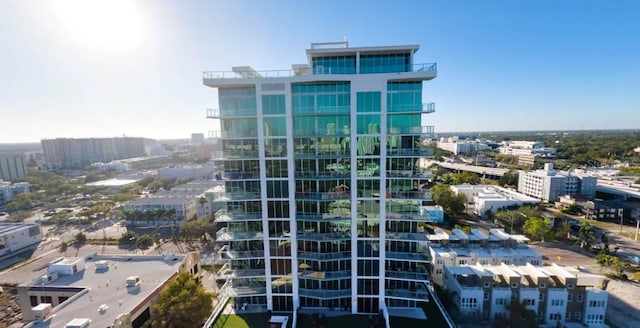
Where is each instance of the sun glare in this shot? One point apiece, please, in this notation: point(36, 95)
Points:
point(103, 25)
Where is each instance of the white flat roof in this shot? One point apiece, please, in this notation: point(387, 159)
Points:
point(107, 287)
point(111, 183)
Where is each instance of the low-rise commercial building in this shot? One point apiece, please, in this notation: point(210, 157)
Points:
point(488, 198)
point(107, 291)
point(559, 296)
point(519, 147)
point(459, 248)
point(8, 191)
point(18, 237)
point(460, 146)
point(549, 184)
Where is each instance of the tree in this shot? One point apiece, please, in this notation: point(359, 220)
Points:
point(603, 259)
point(563, 231)
point(183, 303)
point(587, 235)
point(195, 229)
point(466, 177)
point(537, 228)
point(63, 247)
point(520, 316)
point(21, 202)
point(80, 238)
point(451, 203)
point(509, 179)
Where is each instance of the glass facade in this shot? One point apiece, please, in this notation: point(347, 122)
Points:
point(307, 188)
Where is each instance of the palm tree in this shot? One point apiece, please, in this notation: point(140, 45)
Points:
point(202, 200)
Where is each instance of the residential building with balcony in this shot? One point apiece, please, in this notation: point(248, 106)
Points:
point(13, 166)
point(459, 248)
point(559, 296)
point(64, 153)
point(549, 184)
point(324, 201)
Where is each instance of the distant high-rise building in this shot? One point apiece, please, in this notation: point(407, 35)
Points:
point(12, 167)
point(550, 184)
point(78, 153)
point(197, 138)
point(324, 201)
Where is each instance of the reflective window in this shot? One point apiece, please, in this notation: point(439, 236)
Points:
point(368, 101)
point(273, 104)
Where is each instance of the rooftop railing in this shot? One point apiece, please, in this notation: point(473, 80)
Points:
point(323, 293)
point(324, 256)
point(284, 73)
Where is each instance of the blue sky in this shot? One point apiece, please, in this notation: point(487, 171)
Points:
point(111, 68)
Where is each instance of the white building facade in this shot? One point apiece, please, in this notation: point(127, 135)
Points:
point(17, 237)
point(488, 198)
point(8, 191)
point(549, 184)
point(518, 148)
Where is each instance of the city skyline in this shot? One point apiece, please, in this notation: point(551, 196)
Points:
point(70, 71)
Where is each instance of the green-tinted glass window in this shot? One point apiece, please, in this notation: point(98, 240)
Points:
point(237, 101)
point(368, 102)
point(404, 96)
point(273, 105)
point(275, 126)
point(369, 124)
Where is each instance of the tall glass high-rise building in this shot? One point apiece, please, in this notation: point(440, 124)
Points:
point(323, 200)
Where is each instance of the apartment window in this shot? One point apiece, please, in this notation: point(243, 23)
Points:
point(439, 261)
point(34, 300)
point(530, 302)
point(557, 302)
point(542, 285)
point(468, 302)
point(514, 285)
point(567, 315)
point(462, 262)
point(61, 299)
point(569, 297)
point(438, 271)
point(554, 316)
point(570, 286)
point(577, 315)
point(486, 296)
point(541, 298)
point(46, 299)
point(487, 285)
point(580, 297)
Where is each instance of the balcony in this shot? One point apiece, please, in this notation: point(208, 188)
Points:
point(408, 217)
point(330, 195)
point(403, 275)
point(231, 291)
point(226, 254)
point(403, 256)
point(407, 236)
point(328, 236)
point(416, 294)
point(410, 152)
point(426, 108)
point(231, 196)
point(320, 133)
point(410, 130)
point(225, 235)
point(246, 72)
point(323, 217)
point(225, 216)
point(324, 256)
point(410, 194)
point(216, 113)
point(324, 293)
point(409, 174)
point(324, 110)
point(241, 175)
point(229, 134)
point(226, 272)
point(324, 275)
point(323, 175)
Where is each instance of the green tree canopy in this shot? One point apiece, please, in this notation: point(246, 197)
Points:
point(509, 179)
point(537, 228)
point(466, 177)
point(451, 203)
point(195, 229)
point(183, 303)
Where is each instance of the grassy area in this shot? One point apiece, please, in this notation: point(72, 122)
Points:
point(241, 321)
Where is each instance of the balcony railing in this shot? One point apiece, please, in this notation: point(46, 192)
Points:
point(328, 236)
point(217, 113)
point(228, 134)
point(322, 217)
point(410, 236)
point(225, 235)
point(409, 217)
point(229, 196)
point(240, 175)
point(410, 194)
point(422, 276)
point(419, 295)
point(321, 133)
point(414, 130)
point(425, 108)
point(324, 293)
point(324, 275)
point(409, 174)
point(324, 256)
point(401, 152)
point(225, 216)
point(324, 110)
point(322, 175)
point(226, 254)
point(418, 256)
point(283, 73)
point(229, 290)
point(226, 272)
point(322, 195)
